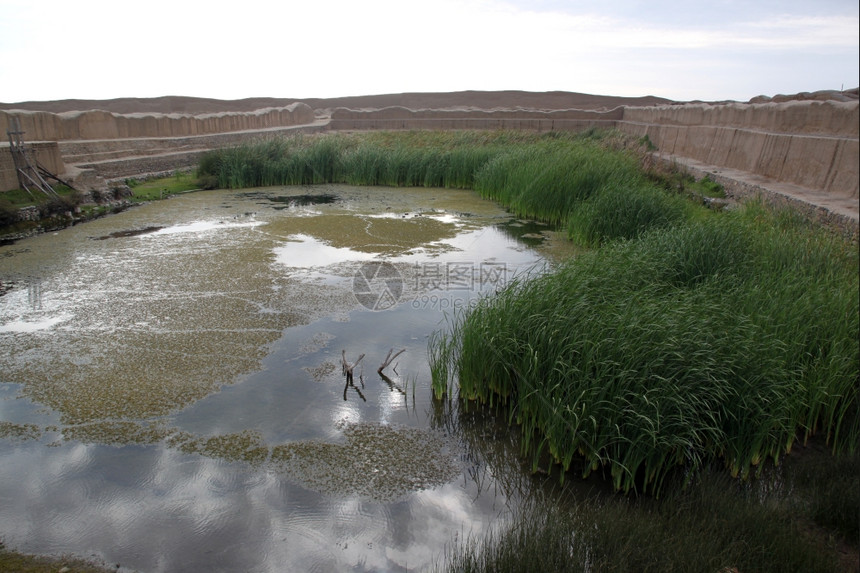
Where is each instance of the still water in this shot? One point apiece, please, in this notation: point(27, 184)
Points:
point(172, 395)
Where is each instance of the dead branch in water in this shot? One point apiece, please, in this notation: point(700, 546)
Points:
point(349, 385)
point(389, 359)
point(392, 384)
point(347, 367)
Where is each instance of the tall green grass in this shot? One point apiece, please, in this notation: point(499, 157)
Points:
point(583, 180)
point(727, 338)
point(402, 159)
point(548, 179)
point(625, 213)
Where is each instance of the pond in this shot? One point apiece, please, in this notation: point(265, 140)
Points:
point(172, 395)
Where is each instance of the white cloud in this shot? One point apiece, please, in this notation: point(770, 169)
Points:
point(330, 48)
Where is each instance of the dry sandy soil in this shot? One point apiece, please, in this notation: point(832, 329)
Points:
point(464, 99)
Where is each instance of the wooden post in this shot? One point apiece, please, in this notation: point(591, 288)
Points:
point(27, 174)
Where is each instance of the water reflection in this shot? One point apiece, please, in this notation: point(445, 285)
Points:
point(350, 384)
point(305, 251)
point(173, 400)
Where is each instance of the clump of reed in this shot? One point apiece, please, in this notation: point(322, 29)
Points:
point(429, 159)
point(588, 181)
point(727, 338)
point(273, 161)
point(546, 180)
point(625, 213)
point(405, 166)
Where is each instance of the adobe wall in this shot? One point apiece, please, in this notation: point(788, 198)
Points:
point(118, 159)
point(98, 124)
point(47, 153)
point(394, 117)
point(833, 118)
point(124, 136)
point(813, 144)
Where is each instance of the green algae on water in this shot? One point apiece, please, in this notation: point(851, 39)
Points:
point(245, 446)
point(19, 432)
point(379, 462)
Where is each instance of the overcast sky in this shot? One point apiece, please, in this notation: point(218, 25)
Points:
point(708, 50)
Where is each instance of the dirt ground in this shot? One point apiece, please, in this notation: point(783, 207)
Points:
point(509, 99)
point(464, 99)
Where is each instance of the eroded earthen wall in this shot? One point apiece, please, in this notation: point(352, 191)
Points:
point(811, 144)
point(404, 118)
point(97, 124)
point(832, 118)
point(120, 136)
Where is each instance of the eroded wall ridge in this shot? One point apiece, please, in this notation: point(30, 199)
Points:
point(811, 144)
point(99, 124)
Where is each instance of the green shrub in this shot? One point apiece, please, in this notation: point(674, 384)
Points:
point(58, 205)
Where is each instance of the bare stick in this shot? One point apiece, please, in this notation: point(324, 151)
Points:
point(347, 367)
point(389, 359)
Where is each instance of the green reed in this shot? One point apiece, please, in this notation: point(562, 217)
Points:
point(546, 180)
point(624, 213)
point(394, 159)
point(584, 181)
point(727, 338)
